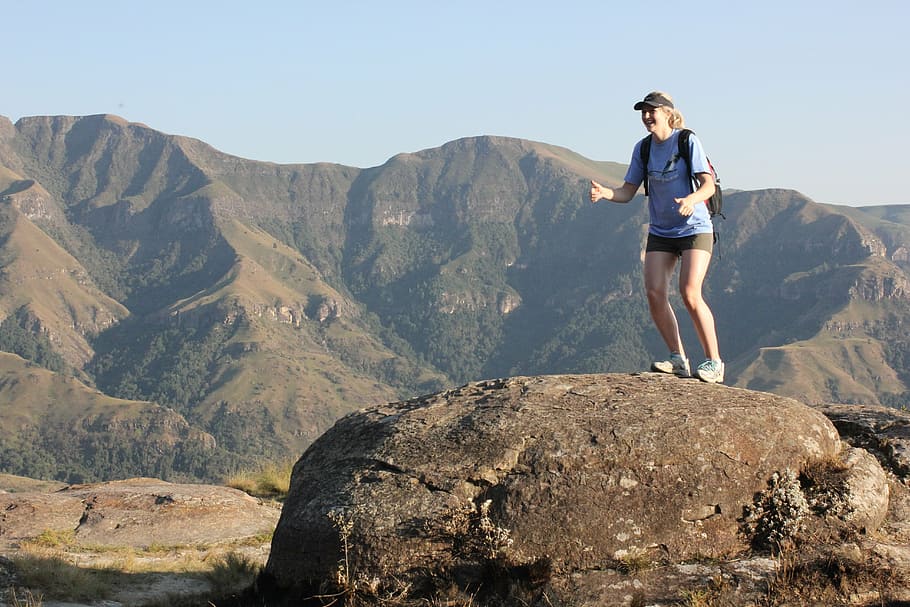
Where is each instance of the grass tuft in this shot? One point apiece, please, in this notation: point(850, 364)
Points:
point(634, 562)
point(24, 597)
point(54, 538)
point(270, 480)
point(232, 572)
point(60, 579)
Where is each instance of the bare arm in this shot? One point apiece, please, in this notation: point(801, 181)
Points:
point(623, 193)
point(702, 194)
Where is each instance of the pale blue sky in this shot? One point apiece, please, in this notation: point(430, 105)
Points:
point(811, 96)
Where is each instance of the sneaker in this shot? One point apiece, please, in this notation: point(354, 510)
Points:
point(677, 365)
point(711, 371)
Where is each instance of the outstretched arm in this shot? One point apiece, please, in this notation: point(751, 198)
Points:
point(623, 193)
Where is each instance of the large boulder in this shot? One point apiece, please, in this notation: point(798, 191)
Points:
point(560, 473)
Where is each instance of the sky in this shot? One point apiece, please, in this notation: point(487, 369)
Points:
point(804, 95)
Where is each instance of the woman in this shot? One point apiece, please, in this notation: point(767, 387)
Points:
point(680, 229)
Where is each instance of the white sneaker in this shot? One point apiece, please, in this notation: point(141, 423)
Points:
point(677, 365)
point(711, 371)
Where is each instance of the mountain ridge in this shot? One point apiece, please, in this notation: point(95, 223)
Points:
point(260, 301)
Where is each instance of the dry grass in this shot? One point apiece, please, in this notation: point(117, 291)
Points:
point(62, 570)
point(53, 539)
point(56, 577)
point(818, 569)
point(233, 572)
point(823, 472)
point(717, 593)
point(24, 598)
point(270, 480)
point(634, 562)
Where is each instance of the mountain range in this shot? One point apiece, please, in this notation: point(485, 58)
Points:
point(169, 310)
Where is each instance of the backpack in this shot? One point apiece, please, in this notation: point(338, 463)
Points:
point(716, 202)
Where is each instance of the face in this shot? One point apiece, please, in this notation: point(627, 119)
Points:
point(655, 118)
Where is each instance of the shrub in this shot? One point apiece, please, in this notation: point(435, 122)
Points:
point(778, 512)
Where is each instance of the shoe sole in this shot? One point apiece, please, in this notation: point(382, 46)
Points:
point(677, 373)
point(710, 380)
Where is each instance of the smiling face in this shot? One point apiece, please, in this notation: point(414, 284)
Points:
point(656, 119)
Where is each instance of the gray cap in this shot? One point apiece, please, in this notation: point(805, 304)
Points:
point(654, 100)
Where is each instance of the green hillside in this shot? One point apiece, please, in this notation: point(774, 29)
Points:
point(252, 304)
point(55, 427)
point(45, 282)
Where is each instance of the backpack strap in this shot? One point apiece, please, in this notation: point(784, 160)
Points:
point(644, 153)
point(686, 154)
point(682, 143)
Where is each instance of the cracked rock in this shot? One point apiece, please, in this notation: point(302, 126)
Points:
point(576, 470)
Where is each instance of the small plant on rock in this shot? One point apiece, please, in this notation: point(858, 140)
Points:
point(825, 487)
point(634, 562)
point(778, 512)
point(474, 534)
point(344, 524)
point(351, 585)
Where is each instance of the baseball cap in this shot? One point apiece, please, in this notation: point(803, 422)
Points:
point(654, 100)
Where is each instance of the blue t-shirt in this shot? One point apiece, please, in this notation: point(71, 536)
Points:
point(668, 179)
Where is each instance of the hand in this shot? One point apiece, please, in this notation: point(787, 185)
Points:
point(686, 207)
point(597, 191)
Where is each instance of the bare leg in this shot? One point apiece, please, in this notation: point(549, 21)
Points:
point(659, 266)
point(691, 278)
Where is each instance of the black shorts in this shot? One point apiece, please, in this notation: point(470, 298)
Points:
point(702, 242)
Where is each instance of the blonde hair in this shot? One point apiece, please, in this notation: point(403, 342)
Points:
point(676, 118)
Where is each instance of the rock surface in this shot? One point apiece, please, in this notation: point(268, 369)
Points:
point(136, 512)
point(159, 528)
point(567, 474)
point(883, 430)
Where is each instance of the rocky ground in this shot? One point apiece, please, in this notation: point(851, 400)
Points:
point(154, 542)
point(145, 541)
